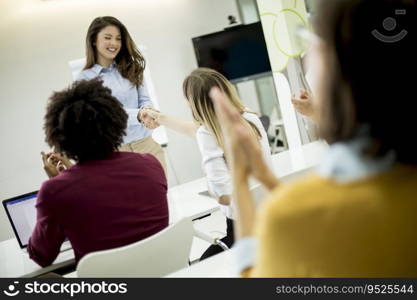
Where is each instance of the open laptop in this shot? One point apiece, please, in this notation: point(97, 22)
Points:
point(21, 212)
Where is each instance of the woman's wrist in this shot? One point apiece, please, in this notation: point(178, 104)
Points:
point(162, 118)
point(265, 176)
point(139, 115)
point(269, 180)
point(240, 174)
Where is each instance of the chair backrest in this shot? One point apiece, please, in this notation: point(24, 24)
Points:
point(159, 255)
point(76, 66)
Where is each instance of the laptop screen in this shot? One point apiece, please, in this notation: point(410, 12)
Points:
point(22, 215)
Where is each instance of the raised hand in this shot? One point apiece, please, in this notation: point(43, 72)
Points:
point(63, 161)
point(49, 164)
point(243, 150)
point(54, 163)
point(244, 155)
point(304, 104)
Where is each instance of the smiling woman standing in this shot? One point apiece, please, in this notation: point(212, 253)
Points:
point(113, 56)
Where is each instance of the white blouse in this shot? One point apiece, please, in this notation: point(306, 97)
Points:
point(214, 163)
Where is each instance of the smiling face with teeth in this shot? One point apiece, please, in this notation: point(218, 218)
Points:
point(108, 41)
point(108, 45)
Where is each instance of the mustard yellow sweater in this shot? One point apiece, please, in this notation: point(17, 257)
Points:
point(319, 228)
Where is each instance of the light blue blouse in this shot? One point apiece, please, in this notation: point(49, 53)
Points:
point(132, 98)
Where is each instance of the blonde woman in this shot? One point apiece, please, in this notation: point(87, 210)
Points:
point(207, 129)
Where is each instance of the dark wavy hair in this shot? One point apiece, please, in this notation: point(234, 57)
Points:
point(129, 60)
point(367, 80)
point(84, 121)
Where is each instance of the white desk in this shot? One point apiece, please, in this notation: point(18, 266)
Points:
point(184, 201)
point(290, 162)
point(220, 265)
point(16, 263)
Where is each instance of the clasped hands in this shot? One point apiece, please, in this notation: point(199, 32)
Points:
point(242, 147)
point(54, 163)
point(149, 116)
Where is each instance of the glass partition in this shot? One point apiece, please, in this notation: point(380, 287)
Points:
point(270, 94)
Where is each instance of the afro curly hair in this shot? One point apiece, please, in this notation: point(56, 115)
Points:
point(84, 121)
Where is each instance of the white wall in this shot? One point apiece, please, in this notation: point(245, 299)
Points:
point(39, 37)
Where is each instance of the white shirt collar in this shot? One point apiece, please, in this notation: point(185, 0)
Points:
point(345, 161)
point(99, 68)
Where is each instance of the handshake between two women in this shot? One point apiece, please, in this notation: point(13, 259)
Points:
point(149, 117)
point(152, 118)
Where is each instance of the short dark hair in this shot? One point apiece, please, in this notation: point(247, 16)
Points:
point(85, 122)
point(368, 83)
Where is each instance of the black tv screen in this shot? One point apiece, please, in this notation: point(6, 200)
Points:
point(237, 52)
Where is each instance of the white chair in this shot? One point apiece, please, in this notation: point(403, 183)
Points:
point(76, 66)
point(159, 255)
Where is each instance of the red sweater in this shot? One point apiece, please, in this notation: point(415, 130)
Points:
point(100, 205)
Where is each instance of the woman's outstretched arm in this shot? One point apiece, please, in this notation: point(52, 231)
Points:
point(180, 125)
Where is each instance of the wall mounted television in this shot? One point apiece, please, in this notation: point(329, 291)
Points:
point(238, 52)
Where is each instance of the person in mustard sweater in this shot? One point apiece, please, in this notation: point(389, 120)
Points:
point(356, 215)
